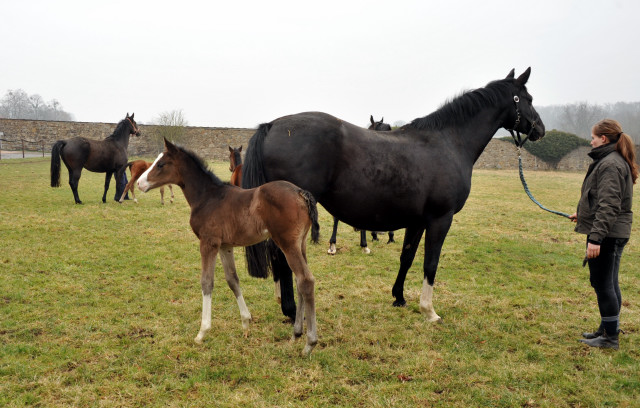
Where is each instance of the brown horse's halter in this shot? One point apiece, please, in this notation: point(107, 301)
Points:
point(135, 128)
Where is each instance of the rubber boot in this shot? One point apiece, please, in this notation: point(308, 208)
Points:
point(597, 333)
point(603, 341)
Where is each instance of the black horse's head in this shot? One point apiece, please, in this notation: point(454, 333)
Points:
point(379, 125)
point(524, 118)
point(133, 126)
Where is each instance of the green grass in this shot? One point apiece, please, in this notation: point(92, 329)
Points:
point(99, 305)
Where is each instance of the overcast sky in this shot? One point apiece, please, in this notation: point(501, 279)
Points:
point(238, 63)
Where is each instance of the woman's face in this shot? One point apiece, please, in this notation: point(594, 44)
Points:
point(597, 141)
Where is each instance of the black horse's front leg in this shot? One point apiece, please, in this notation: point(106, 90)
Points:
point(107, 180)
point(437, 230)
point(412, 238)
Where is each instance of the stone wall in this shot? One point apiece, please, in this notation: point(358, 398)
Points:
point(209, 142)
point(212, 143)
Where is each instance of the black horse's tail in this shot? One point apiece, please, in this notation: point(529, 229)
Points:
point(124, 168)
point(313, 215)
point(259, 256)
point(253, 166)
point(55, 162)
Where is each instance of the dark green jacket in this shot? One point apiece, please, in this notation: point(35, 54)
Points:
point(604, 209)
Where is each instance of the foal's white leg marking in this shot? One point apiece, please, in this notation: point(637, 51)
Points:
point(229, 266)
point(143, 185)
point(426, 302)
point(278, 292)
point(205, 326)
point(332, 249)
point(366, 250)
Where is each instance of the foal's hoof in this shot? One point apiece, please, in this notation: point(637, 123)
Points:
point(332, 249)
point(399, 303)
point(366, 250)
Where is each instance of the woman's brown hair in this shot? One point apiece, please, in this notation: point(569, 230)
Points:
point(613, 131)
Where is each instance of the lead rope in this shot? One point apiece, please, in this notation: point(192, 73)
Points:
point(526, 188)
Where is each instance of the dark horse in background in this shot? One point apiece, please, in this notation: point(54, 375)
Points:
point(100, 156)
point(415, 177)
point(379, 126)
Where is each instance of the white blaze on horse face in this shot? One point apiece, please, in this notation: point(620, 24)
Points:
point(143, 183)
point(426, 302)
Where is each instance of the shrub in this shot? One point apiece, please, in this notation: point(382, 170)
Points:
point(553, 146)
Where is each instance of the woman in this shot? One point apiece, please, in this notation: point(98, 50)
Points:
point(604, 215)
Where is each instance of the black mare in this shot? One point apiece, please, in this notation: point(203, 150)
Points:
point(100, 156)
point(419, 183)
point(379, 126)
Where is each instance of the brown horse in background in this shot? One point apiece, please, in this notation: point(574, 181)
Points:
point(225, 216)
point(137, 168)
point(235, 165)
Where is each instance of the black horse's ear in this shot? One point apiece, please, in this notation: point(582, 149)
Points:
point(382, 120)
point(132, 116)
point(373, 122)
point(127, 114)
point(522, 79)
point(512, 74)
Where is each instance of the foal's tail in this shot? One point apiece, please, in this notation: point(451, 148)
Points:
point(55, 162)
point(124, 168)
point(313, 215)
point(259, 256)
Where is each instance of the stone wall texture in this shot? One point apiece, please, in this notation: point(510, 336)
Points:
point(212, 143)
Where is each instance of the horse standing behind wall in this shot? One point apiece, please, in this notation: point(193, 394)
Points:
point(100, 156)
point(379, 126)
point(415, 177)
point(225, 216)
point(137, 168)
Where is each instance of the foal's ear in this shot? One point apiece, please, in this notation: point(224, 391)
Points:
point(169, 146)
point(512, 74)
point(240, 149)
point(230, 149)
point(522, 79)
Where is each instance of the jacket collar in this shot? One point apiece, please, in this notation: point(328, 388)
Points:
point(598, 153)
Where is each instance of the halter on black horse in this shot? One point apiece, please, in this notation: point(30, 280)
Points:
point(519, 143)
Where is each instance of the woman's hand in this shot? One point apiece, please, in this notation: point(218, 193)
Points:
point(593, 250)
point(574, 217)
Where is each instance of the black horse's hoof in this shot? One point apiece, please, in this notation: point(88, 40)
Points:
point(78, 202)
point(399, 303)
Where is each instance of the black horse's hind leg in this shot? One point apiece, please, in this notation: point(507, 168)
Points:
point(282, 272)
point(437, 230)
point(332, 240)
point(390, 237)
point(107, 180)
point(412, 238)
point(74, 179)
point(363, 242)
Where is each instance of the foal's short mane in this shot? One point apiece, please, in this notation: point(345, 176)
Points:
point(464, 106)
point(120, 129)
point(202, 165)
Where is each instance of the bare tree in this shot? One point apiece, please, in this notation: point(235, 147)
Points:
point(37, 106)
point(171, 126)
point(16, 104)
point(578, 118)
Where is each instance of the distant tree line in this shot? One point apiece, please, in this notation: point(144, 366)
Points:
point(578, 118)
point(17, 104)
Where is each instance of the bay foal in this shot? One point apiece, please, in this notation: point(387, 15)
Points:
point(225, 216)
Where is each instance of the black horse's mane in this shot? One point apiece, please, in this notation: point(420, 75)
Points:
point(202, 165)
point(120, 129)
point(464, 106)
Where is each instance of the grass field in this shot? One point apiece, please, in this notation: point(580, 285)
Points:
point(99, 305)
